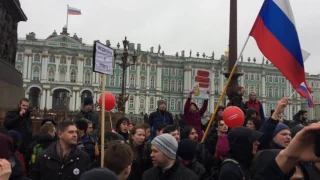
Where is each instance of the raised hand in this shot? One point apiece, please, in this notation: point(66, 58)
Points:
point(5, 169)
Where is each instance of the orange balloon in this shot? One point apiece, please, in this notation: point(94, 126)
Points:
point(233, 116)
point(110, 101)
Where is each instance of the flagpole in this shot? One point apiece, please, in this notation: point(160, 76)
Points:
point(67, 16)
point(224, 91)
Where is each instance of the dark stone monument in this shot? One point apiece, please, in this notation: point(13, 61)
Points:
point(11, 82)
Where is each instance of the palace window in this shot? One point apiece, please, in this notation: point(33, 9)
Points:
point(258, 77)
point(143, 82)
point(179, 106)
point(88, 62)
point(246, 77)
point(153, 68)
point(74, 61)
point(283, 89)
point(276, 80)
point(120, 80)
point(131, 102)
point(52, 59)
point(36, 73)
point(19, 58)
point(180, 72)
point(133, 67)
point(62, 75)
point(251, 88)
point(132, 80)
point(87, 77)
point(258, 90)
point(270, 92)
point(270, 79)
point(73, 76)
point(179, 86)
point(111, 80)
point(51, 74)
point(172, 104)
point(141, 103)
point(36, 58)
point(216, 87)
point(216, 73)
point(252, 76)
point(143, 67)
point(165, 85)
point(282, 80)
point(173, 72)
point(152, 82)
point(166, 72)
point(276, 91)
point(63, 60)
point(152, 103)
point(173, 85)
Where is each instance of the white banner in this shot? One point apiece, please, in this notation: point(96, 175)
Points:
point(103, 59)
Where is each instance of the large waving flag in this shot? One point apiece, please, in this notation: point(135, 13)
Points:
point(73, 11)
point(303, 89)
point(277, 38)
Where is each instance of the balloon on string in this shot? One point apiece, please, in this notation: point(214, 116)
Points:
point(233, 116)
point(110, 101)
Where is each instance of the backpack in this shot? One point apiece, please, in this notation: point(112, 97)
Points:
point(88, 147)
point(214, 174)
point(37, 149)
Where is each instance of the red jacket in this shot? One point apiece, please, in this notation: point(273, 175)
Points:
point(21, 158)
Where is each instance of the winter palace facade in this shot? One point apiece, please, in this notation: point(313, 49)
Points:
point(57, 74)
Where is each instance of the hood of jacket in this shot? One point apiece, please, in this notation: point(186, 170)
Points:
point(241, 143)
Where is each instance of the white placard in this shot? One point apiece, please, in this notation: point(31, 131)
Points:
point(103, 59)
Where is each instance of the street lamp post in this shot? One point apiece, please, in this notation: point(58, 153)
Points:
point(126, 60)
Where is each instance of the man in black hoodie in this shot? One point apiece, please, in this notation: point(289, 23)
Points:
point(161, 116)
point(243, 143)
point(236, 99)
point(300, 118)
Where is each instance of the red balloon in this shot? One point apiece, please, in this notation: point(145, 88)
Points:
point(233, 116)
point(110, 101)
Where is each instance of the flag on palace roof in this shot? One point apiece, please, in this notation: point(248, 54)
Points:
point(303, 89)
point(73, 11)
point(275, 33)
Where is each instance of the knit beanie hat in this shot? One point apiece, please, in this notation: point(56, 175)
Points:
point(99, 174)
point(279, 128)
point(48, 119)
point(222, 146)
point(87, 101)
point(187, 149)
point(82, 125)
point(167, 144)
point(160, 102)
point(6, 149)
point(15, 135)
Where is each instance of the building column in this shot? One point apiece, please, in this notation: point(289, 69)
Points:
point(221, 80)
point(56, 75)
point(137, 103)
point(147, 102)
point(25, 66)
point(212, 88)
point(68, 73)
point(127, 107)
point(93, 80)
point(138, 77)
point(263, 78)
point(159, 76)
point(127, 80)
point(242, 79)
point(148, 76)
point(49, 99)
point(73, 101)
point(43, 69)
point(42, 99)
point(29, 66)
point(185, 81)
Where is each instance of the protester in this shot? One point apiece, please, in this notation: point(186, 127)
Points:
point(253, 123)
point(189, 133)
point(122, 128)
point(173, 130)
point(300, 118)
point(237, 99)
point(253, 102)
point(85, 141)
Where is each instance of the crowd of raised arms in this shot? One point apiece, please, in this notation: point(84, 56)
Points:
point(164, 148)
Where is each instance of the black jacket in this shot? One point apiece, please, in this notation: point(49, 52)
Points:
point(50, 166)
point(176, 172)
point(237, 100)
point(197, 169)
point(93, 117)
point(17, 169)
point(22, 124)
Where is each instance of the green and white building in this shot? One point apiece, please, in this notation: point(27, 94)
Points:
point(57, 74)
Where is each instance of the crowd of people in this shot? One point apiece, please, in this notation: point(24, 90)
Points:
point(162, 149)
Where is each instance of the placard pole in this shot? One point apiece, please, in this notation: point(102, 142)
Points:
point(103, 117)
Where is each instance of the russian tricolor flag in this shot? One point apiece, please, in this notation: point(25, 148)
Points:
point(277, 38)
point(73, 11)
point(303, 89)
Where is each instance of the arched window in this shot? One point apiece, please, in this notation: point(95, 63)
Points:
point(19, 58)
point(283, 80)
point(246, 77)
point(51, 74)
point(173, 85)
point(133, 67)
point(36, 73)
point(151, 102)
point(143, 82)
point(143, 67)
point(36, 58)
point(283, 89)
point(152, 82)
point(270, 79)
point(132, 80)
point(252, 77)
point(87, 77)
point(19, 68)
point(251, 88)
point(179, 106)
point(74, 61)
point(258, 77)
point(141, 103)
point(62, 75)
point(73, 76)
point(166, 72)
point(258, 90)
point(270, 91)
point(52, 59)
point(131, 101)
point(88, 62)
point(153, 68)
point(111, 80)
point(63, 60)
point(172, 104)
point(165, 85)
point(179, 86)
point(276, 80)
point(276, 91)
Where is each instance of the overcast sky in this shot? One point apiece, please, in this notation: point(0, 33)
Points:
point(200, 25)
